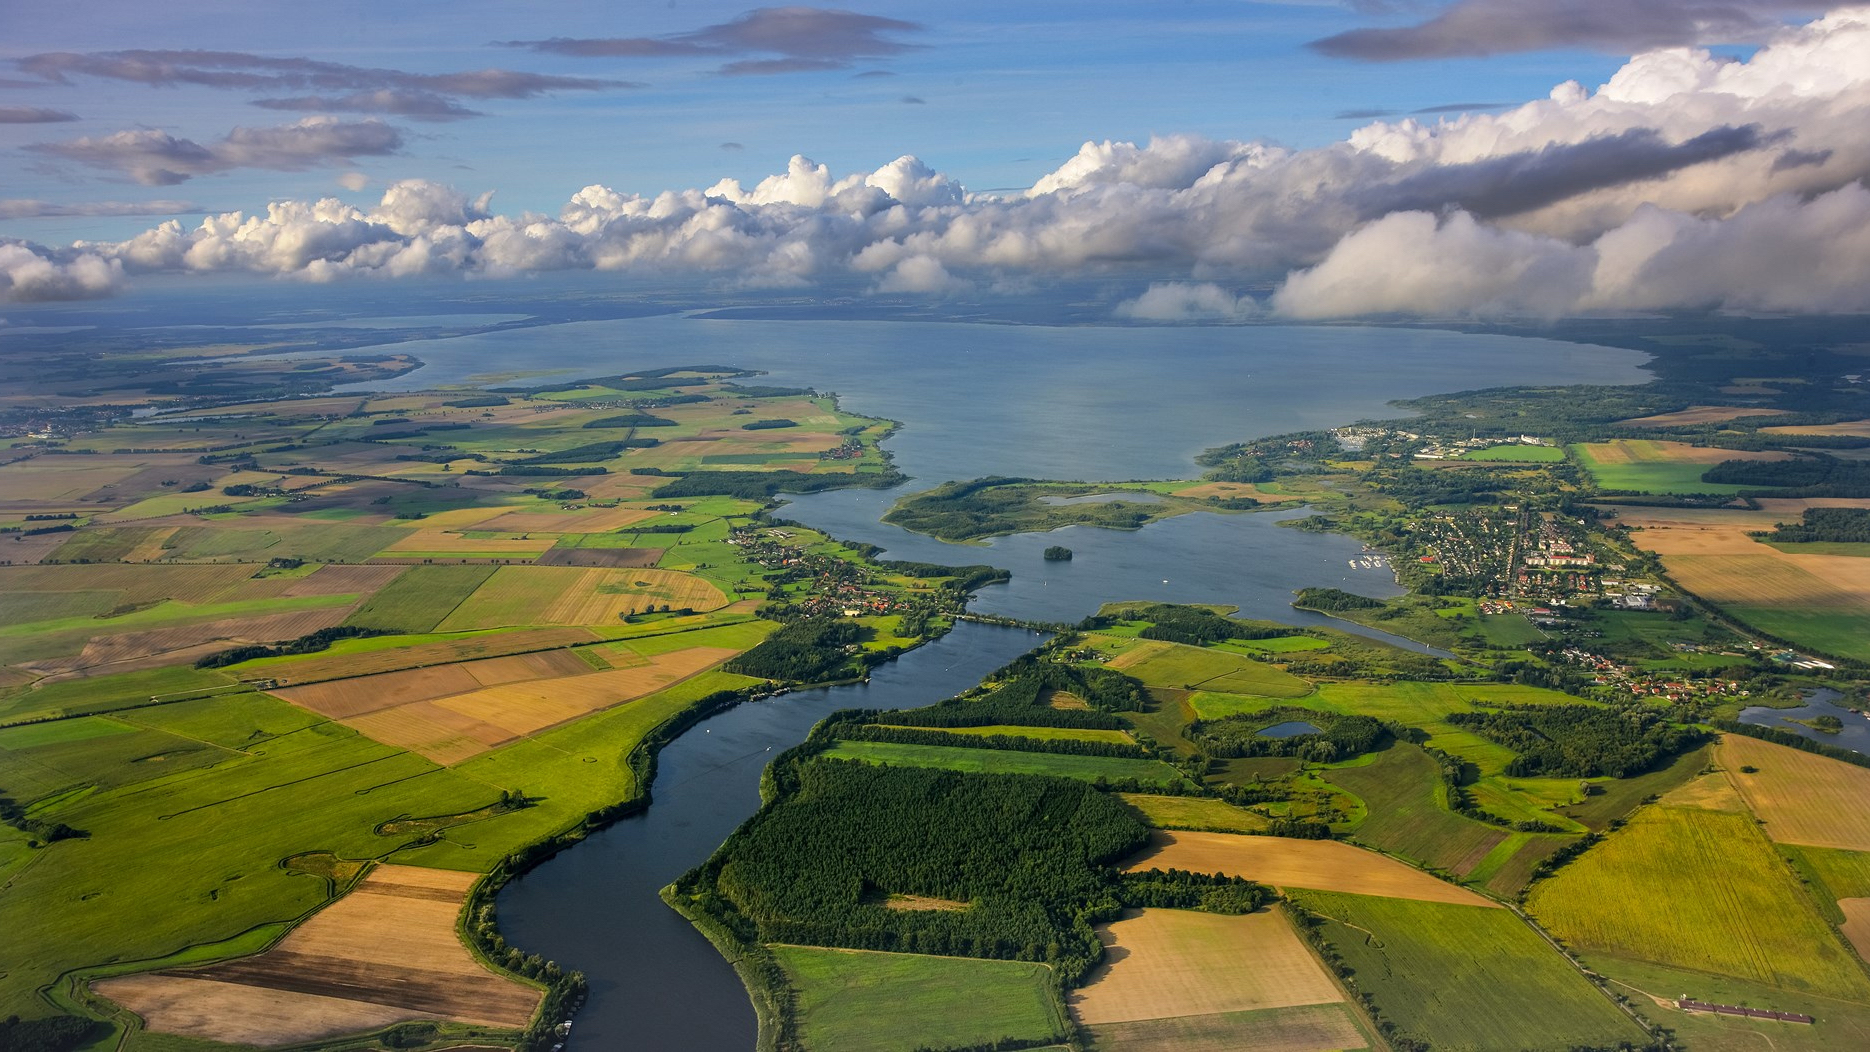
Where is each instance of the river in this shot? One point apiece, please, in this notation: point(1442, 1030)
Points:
point(655, 982)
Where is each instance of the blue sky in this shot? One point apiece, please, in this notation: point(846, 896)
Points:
point(1225, 160)
point(1007, 92)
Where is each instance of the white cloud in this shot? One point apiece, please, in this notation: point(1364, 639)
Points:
point(1645, 194)
point(1176, 301)
point(27, 275)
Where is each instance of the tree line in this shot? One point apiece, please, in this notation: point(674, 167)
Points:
point(1580, 741)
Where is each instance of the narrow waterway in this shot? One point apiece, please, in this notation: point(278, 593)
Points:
point(655, 982)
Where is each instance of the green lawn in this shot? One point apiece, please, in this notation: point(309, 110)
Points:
point(899, 1002)
point(1006, 761)
point(1466, 977)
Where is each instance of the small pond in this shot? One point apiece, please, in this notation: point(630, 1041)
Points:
point(1289, 729)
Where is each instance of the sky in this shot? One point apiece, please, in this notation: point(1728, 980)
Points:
point(1307, 159)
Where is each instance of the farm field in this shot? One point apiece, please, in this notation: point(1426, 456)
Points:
point(1195, 812)
point(1802, 798)
point(1460, 977)
point(1304, 1028)
point(384, 952)
point(1657, 466)
point(1848, 428)
point(1164, 664)
point(1005, 761)
point(420, 597)
point(898, 1002)
point(1402, 792)
point(1700, 890)
point(1322, 865)
point(450, 713)
point(1163, 963)
point(1820, 601)
point(1699, 414)
point(369, 656)
point(1842, 1023)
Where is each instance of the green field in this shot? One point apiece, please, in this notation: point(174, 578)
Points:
point(1839, 632)
point(1195, 812)
point(1192, 668)
point(1700, 890)
point(1050, 734)
point(104, 693)
point(1424, 705)
point(898, 1002)
point(1407, 815)
point(1466, 977)
point(1006, 761)
point(188, 818)
point(1516, 453)
point(419, 598)
point(1838, 874)
point(514, 595)
point(1276, 645)
point(1648, 471)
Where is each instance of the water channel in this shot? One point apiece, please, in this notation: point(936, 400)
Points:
point(655, 982)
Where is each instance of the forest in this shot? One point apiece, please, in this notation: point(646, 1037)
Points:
point(1845, 525)
point(803, 651)
point(1339, 736)
point(764, 485)
point(1580, 741)
point(1027, 857)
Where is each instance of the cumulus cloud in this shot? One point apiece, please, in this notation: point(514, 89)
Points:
point(804, 39)
point(1472, 28)
point(34, 115)
point(342, 88)
point(27, 275)
point(1687, 180)
point(157, 158)
point(1178, 301)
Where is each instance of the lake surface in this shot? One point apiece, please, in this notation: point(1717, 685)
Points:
point(1821, 702)
point(655, 982)
point(1289, 729)
point(1103, 404)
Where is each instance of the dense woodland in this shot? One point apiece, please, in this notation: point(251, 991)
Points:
point(1029, 856)
point(803, 651)
point(764, 485)
point(1844, 525)
point(1580, 741)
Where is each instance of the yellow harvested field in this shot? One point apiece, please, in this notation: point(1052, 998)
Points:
point(1160, 964)
point(596, 520)
point(1700, 414)
point(446, 715)
point(1716, 559)
point(33, 482)
point(1850, 428)
point(1321, 865)
point(342, 666)
point(387, 947)
point(546, 665)
point(604, 596)
point(1856, 925)
point(1802, 797)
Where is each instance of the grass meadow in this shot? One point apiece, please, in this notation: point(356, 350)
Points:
point(1465, 976)
point(898, 1002)
point(1006, 761)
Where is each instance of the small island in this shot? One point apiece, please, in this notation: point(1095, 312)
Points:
point(996, 506)
point(1822, 724)
point(1058, 553)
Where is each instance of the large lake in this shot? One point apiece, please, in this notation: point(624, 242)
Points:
point(1070, 403)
